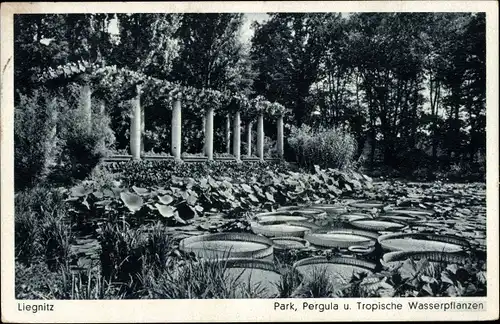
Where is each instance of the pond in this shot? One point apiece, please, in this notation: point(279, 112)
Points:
point(397, 221)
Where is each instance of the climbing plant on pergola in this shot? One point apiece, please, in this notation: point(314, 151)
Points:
point(104, 83)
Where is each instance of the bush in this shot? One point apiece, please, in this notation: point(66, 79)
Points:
point(34, 137)
point(270, 148)
point(328, 148)
point(102, 178)
point(82, 147)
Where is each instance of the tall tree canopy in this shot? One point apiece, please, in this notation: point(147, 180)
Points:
point(401, 82)
point(210, 50)
point(287, 51)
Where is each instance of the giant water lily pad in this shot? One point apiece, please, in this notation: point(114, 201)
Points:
point(330, 208)
point(281, 218)
point(276, 229)
point(354, 216)
point(410, 211)
point(339, 270)
point(367, 204)
point(405, 218)
point(341, 238)
point(377, 224)
point(233, 245)
point(288, 243)
point(432, 256)
point(261, 275)
point(422, 242)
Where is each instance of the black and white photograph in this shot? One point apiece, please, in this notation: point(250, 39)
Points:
point(303, 157)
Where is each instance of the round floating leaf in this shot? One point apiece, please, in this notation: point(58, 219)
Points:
point(176, 180)
point(80, 191)
point(117, 191)
point(204, 183)
point(108, 193)
point(165, 211)
point(191, 200)
point(98, 194)
point(184, 195)
point(103, 202)
point(167, 199)
point(247, 188)
point(270, 197)
point(190, 183)
point(186, 211)
point(140, 191)
point(132, 201)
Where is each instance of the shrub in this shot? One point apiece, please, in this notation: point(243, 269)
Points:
point(328, 148)
point(83, 147)
point(34, 137)
point(85, 286)
point(288, 283)
point(102, 178)
point(270, 148)
point(157, 140)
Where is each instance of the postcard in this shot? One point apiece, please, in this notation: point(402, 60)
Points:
point(249, 161)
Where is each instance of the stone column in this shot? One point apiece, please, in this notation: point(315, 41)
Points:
point(135, 127)
point(86, 94)
point(279, 141)
point(204, 127)
point(176, 128)
point(143, 129)
point(260, 137)
point(209, 133)
point(249, 138)
point(228, 134)
point(236, 136)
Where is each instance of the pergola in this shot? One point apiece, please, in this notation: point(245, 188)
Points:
point(110, 79)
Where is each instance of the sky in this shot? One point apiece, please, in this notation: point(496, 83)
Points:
point(246, 30)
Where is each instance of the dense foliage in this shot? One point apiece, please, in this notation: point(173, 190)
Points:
point(409, 86)
point(179, 192)
point(53, 140)
point(328, 148)
point(401, 82)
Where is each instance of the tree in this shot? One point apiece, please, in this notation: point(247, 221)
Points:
point(387, 51)
point(209, 51)
point(147, 43)
point(39, 43)
point(287, 50)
